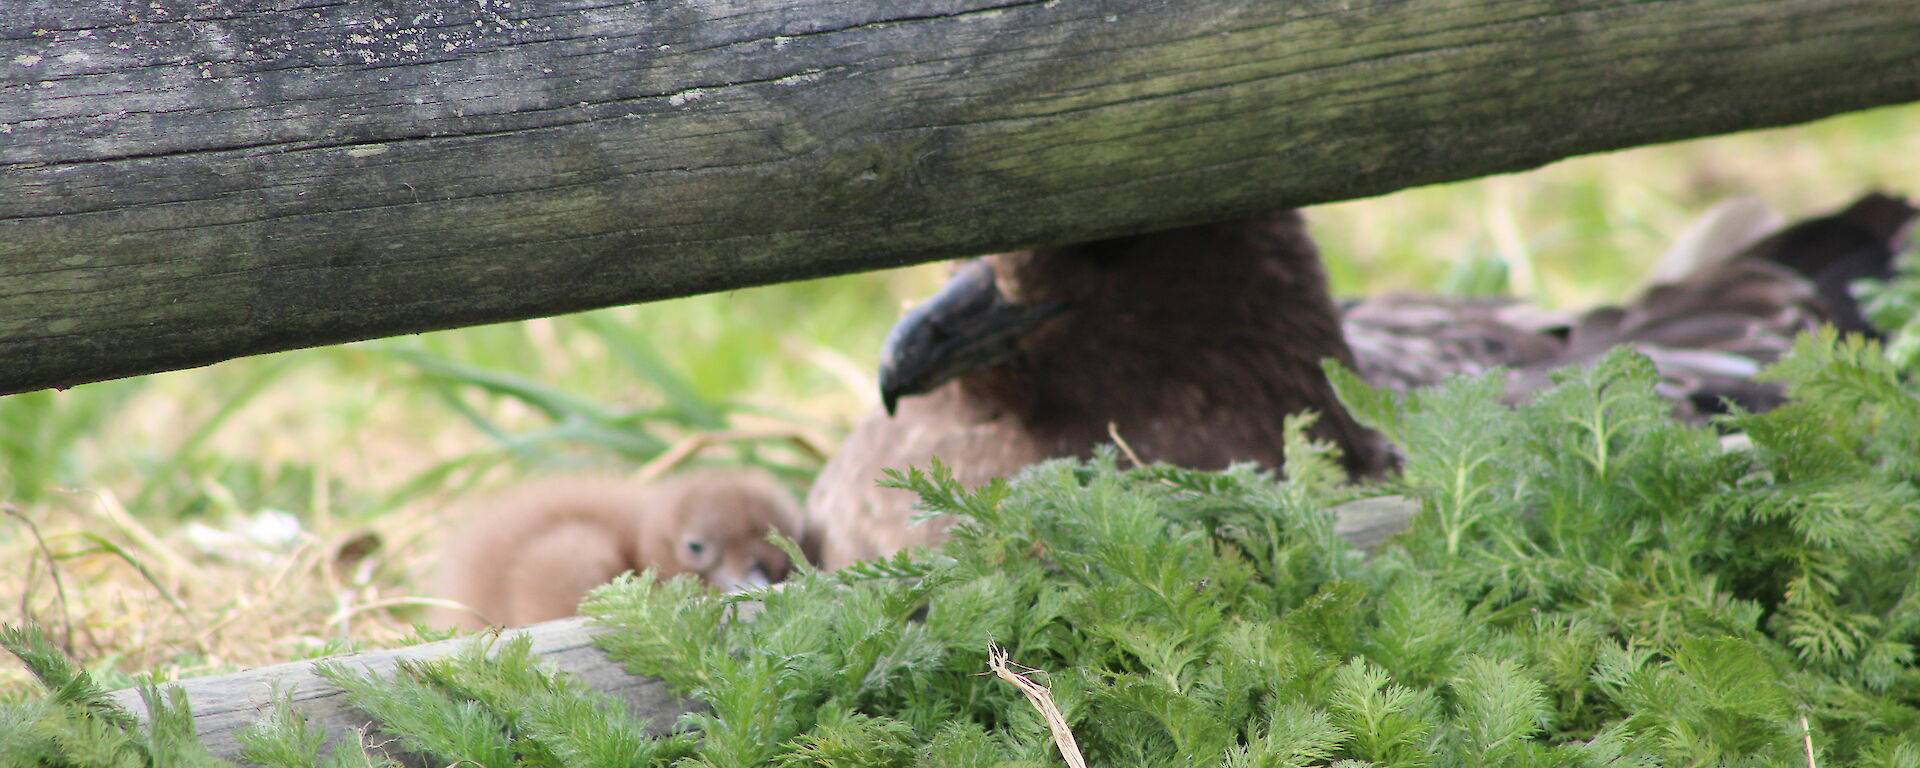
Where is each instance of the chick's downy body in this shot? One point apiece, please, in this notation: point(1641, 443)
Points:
point(536, 550)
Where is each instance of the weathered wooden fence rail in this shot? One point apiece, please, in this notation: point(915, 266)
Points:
point(186, 181)
point(225, 704)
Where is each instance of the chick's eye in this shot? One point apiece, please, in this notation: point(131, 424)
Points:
point(695, 547)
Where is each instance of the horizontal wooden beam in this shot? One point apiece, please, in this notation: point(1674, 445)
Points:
point(226, 704)
point(186, 181)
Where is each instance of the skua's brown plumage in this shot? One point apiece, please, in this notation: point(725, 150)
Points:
point(1735, 291)
point(535, 550)
point(1194, 343)
point(1859, 242)
point(1407, 340)
point(1710, 331)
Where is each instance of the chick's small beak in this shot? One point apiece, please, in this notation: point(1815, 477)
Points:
point(968, 325)
point(751, 580)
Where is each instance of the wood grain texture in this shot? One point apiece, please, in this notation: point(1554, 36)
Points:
point(224, 704)
point(186, 181)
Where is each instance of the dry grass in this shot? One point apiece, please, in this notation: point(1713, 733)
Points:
point(1042, 701)
point(138, 599)
point(370, 462)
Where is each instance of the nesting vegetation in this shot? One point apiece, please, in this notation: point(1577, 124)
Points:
point(1587, 582)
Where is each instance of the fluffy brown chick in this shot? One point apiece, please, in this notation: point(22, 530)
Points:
point(533, 552)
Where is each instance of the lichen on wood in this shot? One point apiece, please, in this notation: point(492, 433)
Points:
point(186, 182)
